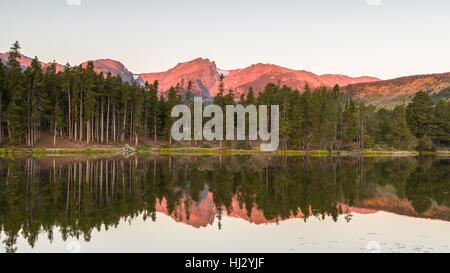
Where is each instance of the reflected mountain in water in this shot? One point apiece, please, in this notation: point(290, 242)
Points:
point(204, 212)
point(77, 195)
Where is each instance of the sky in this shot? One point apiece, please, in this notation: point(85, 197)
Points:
point(381, 38)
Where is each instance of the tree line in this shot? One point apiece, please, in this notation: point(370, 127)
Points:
point(84, 106)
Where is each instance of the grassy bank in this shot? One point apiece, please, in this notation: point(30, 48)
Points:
point(222, 151)
point(8, 152)
point(88, 151)
point(12, 151)
point(291, 152)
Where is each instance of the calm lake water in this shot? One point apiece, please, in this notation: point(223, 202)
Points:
point(218, 203)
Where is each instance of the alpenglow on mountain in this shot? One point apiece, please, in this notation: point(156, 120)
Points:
point(205, 77)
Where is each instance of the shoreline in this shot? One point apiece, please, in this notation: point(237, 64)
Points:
point(8, 152)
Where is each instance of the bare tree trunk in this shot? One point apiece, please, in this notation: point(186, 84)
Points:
point(87, 131)
point(137, 140)
point(1, 117)
point(28, 135)
point(114, 123)
point(342, 131)
point(154, 125)
point(69, 106)
point(131, 124)
point(54, 136)
point(123, 126)
point(107, 123)
point(81, 115)
point(98, 125)
point(92, 130)
point(119, 126)
point(75, 127)
point(335, 125)
point(9, 128)
point(102, 127)
point(101, 180)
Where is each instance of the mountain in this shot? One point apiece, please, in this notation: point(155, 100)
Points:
point(206, 76)
point(343, 80)
point(25, 62)
point(115, 67)
point(204, 212)
point(259, 75)
point(392, 93)
point(202, 72)
point(101, 65)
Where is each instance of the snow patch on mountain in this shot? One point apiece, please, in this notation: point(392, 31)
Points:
point(224, 73)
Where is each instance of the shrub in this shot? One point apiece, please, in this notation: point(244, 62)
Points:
point(426, 145)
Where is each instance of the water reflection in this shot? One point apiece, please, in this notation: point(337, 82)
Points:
point(79, 195)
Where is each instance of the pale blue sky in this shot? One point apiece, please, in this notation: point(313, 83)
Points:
point(388, 38)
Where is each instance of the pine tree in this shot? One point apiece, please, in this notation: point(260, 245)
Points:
point(66, 84)
point(219, 98)
point(305, 102)
point(47, 98)
point(367, 126)
point(419, 114)
point(401, 136)
point(89, 101)
point(153, 109)
point(76, 103)
point(116, 102)
point(37, 103)
point(349, 123)
point(109, 87)
point(15, 112)
point(242, 99)
point(2, 97)
point(383, 126)
point(283, 98)
point(138, 107)
point(250, 100)
point(229, 98)
point(173, 98)
point(57, 117)
point(336, 113)
point(317, 117)
point(14, 56)
point(189, 96)
point(440, 130)
point(296, 120)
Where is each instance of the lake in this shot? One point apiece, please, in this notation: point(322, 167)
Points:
point(218, 203)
